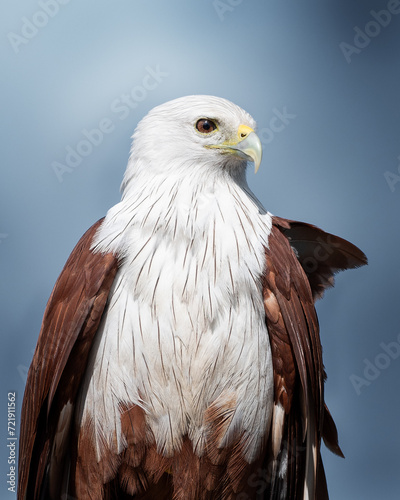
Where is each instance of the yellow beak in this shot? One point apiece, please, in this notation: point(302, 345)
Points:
point(247, 145)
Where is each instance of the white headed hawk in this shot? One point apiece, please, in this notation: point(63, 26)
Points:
point(180, 356)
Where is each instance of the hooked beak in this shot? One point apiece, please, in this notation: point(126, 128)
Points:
point(247, 145)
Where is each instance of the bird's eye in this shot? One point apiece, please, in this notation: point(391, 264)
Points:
point(205, 126)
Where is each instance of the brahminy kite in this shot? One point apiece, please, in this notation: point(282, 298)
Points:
point(179, 356)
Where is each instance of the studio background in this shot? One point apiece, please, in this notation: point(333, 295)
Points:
point(330, 69)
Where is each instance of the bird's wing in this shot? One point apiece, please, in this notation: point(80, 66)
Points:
point(300, 417)
point(320, 254)
point(70, 322)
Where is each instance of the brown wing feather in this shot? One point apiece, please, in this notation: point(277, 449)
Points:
point(320, 254)
point(297, 358)
point(70, 322)
point(289, 295)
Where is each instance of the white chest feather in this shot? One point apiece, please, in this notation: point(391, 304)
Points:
point(184, 327)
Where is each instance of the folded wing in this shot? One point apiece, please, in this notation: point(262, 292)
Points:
point(70, 322)
point(301, 263)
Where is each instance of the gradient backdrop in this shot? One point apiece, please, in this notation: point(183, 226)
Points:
point(332, 69)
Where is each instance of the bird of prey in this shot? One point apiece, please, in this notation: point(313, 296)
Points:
point(179, 356)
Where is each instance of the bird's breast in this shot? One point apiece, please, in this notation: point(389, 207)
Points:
point(184, 338)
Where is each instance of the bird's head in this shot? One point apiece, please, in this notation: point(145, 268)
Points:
point(194, 135)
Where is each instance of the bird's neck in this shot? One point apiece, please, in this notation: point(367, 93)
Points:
point(169, 206)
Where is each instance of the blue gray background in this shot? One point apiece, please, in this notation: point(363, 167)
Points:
point(335, 163)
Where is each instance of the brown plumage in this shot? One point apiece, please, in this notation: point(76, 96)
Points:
point(70, 322)
point(300, 263)
point(294, 335)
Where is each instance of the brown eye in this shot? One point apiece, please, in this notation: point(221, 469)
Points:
point(205, 126)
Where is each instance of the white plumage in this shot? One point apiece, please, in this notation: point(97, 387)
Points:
point(192, 240)
point(179, 356)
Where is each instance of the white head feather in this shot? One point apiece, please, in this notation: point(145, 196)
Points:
point(166, 142)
